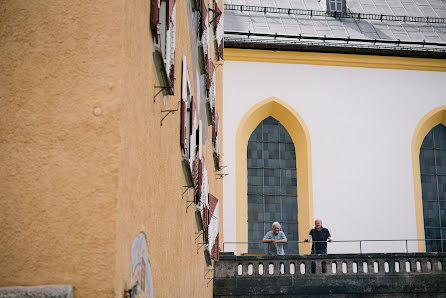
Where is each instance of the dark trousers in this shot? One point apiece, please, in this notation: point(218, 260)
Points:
point(319, 251)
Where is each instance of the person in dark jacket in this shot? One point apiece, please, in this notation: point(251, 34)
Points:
point(319, 235)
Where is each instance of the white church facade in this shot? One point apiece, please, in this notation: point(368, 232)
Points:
point(358, 140)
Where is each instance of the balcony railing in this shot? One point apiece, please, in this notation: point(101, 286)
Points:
point(351, 274)
point(363, 246)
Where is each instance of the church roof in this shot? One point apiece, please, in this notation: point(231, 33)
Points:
point(387, 27)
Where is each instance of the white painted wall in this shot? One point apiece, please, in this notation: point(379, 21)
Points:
point(361, 122)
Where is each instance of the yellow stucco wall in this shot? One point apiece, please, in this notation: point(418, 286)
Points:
point(85, 164)
point(59, 161)
point(151, 179)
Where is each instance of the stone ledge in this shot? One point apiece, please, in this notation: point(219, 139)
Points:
point(47, 291)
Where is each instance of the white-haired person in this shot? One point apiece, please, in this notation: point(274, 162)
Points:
point(319, 235)
point(276, 238)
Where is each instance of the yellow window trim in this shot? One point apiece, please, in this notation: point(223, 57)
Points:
point(332, 59)
point(299, 134)
point(429, 121)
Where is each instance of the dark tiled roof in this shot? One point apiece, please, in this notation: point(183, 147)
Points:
point(366, 23)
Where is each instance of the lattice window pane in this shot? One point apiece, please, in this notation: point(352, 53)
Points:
point(429, 187)
point(427, 161)
point(431, 214)
point(255, 208)
point(433, 185)
point(440, 159)
point(272, 183)
point(440, 136)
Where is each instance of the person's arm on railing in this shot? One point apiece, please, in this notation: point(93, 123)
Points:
point(309, 238)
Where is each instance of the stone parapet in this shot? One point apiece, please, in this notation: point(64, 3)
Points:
point(393, 274)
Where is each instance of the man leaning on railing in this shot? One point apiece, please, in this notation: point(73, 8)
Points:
point(275, 238)
point(319, 235)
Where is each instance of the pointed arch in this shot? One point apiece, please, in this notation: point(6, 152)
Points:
point(429, 121)
point(298, 131)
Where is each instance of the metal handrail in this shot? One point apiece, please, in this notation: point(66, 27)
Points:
point(336, 14)
point(337, 241)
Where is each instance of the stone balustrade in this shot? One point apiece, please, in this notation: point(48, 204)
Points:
point(390, 273)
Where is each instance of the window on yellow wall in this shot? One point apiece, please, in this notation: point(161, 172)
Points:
point(163, 27)
point(433, 186)
point(272, 185)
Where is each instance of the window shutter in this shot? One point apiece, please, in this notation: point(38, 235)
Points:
point(215, 252)
point(183, 123)
point(170, 42)
point(170, 5)
point(155, 18)
point(191, 114)
point(213, 201)
point(215, 126)
point(218, 10)
point(172, 75)
point(196, 173)
point(220, 49)
point(213, 215)
point(199, 180)
point(210, 74)
point(204, 13)
point(206, 223)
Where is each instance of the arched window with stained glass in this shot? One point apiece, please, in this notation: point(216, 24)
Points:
point(272, 185)
point(433, 187)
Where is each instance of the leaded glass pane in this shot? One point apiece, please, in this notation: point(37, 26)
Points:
point(442, 213)
point(289, 184)
point(284, 135)
point(431, 214)
point(272, 208)
point(255, 208)
point(429, 187)
point(290, 230)
point(427, 161)
point(255, 234)
point(440, 157)
point(289, 206)
point(272, 184)
point(255, 181)
point(255, 155)
point(432, 233)
point(440, 136)
point(270, 121)
point(271, 155)
point(433, 185)
point(270, 130)
point(287, 156)
point(441, 188)
point(433, 245)
point(428, 142)
point(256, 135)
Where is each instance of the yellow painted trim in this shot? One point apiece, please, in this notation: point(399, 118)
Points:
point(429, 121)
point(301, 138)
point(332, 59)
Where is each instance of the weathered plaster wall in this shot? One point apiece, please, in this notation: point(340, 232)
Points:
point(59, 61)
point(151, 177)
point(85, 164)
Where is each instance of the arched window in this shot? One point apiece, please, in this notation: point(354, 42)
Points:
point(433, 187)
point(272, 184)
